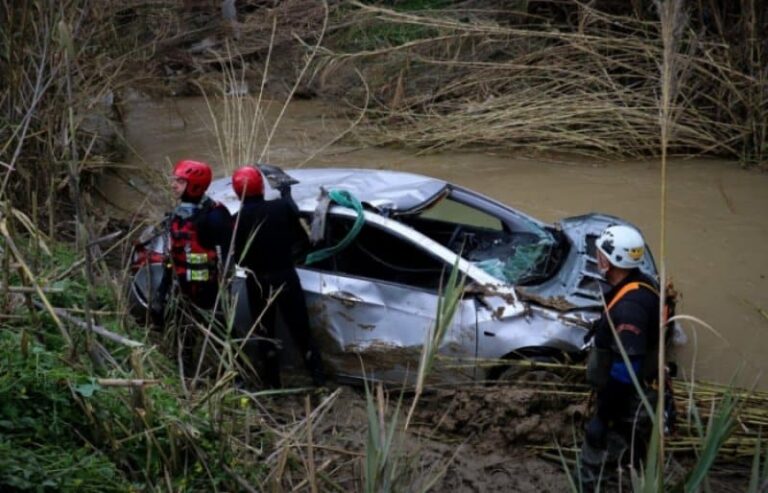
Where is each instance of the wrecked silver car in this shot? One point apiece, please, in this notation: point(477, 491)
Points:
point(530, 289)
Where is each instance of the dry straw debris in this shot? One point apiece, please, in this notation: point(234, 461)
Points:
point(548, 76)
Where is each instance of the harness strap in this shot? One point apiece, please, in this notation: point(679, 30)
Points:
point(626, 289)
point(631, 287)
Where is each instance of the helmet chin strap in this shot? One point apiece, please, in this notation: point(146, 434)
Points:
point(185, 198)
point(603, 264)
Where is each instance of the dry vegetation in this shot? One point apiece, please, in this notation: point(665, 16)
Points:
point(545, 75)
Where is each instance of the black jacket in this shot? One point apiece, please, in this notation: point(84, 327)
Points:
point(635, 317)
point(268, 236)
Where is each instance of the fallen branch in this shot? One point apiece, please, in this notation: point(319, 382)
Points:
point(96, 329)
point(29, 289)
point(45, 304)
point(121, 382)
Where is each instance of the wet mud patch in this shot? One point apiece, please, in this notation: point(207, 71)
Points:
point(439, 445)
point(472, 471)
point(503, 417)
point(473, 439)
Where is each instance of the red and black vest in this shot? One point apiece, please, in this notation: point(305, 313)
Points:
point(192, 262)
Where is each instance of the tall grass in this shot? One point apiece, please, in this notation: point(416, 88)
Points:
point(448, 302)
point(672, 24)
point(64, 65)
point(239, 123)
point(385, 454)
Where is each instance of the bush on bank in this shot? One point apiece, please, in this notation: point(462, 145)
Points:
point(67, 422)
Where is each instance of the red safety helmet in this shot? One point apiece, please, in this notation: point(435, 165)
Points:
point(247, 181)
point(197, 174)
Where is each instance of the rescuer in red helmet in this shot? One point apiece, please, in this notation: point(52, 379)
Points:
point(200, 232)
point(267, 233)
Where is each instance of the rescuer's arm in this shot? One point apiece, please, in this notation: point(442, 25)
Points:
point(215, 232)
point(285, 194)
point(160, 296)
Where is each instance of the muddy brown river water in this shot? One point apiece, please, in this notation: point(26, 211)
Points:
point(717, 214)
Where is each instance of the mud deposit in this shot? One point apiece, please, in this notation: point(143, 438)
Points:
point(501, 418)
point(496, 427)
point(473, 440)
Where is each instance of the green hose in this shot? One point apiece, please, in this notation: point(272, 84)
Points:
point(345, 199)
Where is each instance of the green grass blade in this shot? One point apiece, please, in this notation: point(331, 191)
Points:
point(654, 469)
point(721, 427)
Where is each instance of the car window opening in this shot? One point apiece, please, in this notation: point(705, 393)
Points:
point(514, 256)
point(378, 254)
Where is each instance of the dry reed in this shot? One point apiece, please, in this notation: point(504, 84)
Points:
point(510, 79)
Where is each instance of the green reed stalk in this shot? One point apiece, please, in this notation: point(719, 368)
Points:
point(670, 14)
point(446, 308)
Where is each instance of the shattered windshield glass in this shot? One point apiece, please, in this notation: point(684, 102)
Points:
point(516, 264)
point(515, 250)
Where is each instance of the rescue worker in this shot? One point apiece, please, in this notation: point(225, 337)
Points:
point(200, 232)
point(266, 236)
point(632, 311)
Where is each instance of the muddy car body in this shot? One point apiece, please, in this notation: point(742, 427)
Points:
point(531, 288)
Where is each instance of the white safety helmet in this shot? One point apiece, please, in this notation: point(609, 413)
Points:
point(623, 246)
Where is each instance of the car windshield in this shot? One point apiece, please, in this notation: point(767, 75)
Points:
point(510, 247)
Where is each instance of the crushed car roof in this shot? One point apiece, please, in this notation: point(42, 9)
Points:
point(384, 190)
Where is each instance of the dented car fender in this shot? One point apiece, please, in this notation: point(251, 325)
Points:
point(502, 326)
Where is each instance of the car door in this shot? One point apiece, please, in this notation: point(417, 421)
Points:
point(374, 303)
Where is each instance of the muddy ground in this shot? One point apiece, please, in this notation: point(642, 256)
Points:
point(472, 439)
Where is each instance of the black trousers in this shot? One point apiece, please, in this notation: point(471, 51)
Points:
point(190, 317)
point(289, 301)
point(619, 429)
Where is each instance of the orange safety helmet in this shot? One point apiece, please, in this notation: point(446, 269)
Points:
point(197, 174)
point(247, 181)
